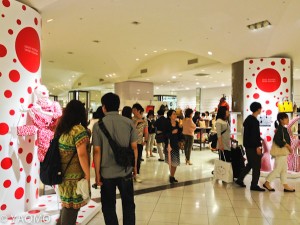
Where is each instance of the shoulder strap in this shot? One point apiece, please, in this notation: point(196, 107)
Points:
point(112, 143)
point(69, 162)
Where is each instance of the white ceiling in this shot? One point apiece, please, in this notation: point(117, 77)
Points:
point(95, 39)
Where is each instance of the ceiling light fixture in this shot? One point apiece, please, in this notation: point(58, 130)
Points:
point(154, 51)
point(137, 59)
point(49, 20)
point(259, 25)
point(146, 54)
point(173, 77)
point(209, 52)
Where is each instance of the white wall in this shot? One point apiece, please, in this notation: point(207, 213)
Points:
point(209, 98)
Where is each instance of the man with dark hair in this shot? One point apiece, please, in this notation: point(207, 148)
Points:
point(252, 143)
point(142, 130)
point(109, 174)
point(161, 128)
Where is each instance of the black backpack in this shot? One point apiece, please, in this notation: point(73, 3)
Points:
point(124, 156)
point(51, 169)
point(213, 139)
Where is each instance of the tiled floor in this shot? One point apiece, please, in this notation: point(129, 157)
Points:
point(207, 202)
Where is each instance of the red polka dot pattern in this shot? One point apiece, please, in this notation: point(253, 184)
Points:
point(6, 163)
point(6, 183)
point(8, 94)
point(3, 50)
point(6, 3)
point(19, 193)
point(3, 128)
point(29, 158)
point(14, 76)
point(3, 207)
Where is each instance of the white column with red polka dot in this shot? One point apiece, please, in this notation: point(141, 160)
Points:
point(267, 81)
point(20, 73)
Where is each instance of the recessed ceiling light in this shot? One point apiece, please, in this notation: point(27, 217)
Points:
point(222, 85)
point(210, 53)
point(154, 51)
point(173, 77)
point(202, 70)
point(49, 20)
point(204, 87)
point(138, 90)
point(147, 79)
point(197, 83)
point(165, 49)
point(168, 81)
point(145, 54)
point(137, 59)
point(187, 88)
point(157, 88)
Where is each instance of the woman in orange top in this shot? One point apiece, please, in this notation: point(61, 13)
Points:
point(189, 128)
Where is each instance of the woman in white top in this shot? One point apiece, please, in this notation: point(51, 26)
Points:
point(223, 132)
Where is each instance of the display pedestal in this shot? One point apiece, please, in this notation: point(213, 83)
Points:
point(47, 210)
point(290, 175)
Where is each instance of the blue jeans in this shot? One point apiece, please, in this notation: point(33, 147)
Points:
point(108, 200)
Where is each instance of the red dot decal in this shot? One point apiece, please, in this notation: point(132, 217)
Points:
point(20, 150)
point(3, 51)
point(19, 22)
point(269, 112)
point(36, 193)
point(284, 80)
point(28, 179)
point(28, 49)
point(248, 96)
point(24, 7)
point(268, 80)
point(7, 94)
point(29, 90)
point(258, 68)
point(11, 112)
point(256, 96)
point(248, 85)
point(6, 163)
point(21, 100)
point(287, 90)
point(6, 183)
point(283, 61)
point(273, 63)
point(233, 121)
point(6, 3)
point(3, 207)
point(29, 158)
point(14, 75)
point(19, 193)
point(10, 31)
point(4, 128)
point(251, 61)
point(33, 211)
point(36, 21)
point(267, 102)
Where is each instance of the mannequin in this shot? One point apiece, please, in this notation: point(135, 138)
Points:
point(293, 159)
point(44, 114)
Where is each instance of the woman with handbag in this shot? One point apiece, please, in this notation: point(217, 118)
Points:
point(223, 134)
point(281, 148)
point(73, 142)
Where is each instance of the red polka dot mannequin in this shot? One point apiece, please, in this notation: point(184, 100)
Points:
point(44, 114)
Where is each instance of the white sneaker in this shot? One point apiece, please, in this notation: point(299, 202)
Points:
point(138, 179)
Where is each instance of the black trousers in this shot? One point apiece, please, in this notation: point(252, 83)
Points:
point(139, 158)
point(108, 200)
point(68, 216)
point(254, 163)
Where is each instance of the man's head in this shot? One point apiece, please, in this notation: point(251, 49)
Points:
point(255, 107)
point(110, 102)
point(137, 109)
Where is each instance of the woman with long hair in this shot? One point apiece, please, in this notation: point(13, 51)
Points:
point(73, 142)
point(172, 149)
point(188, 131)
point(282, 139)
point(223, 133)
point(127, 112)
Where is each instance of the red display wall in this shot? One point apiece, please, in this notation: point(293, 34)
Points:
point(20, 72)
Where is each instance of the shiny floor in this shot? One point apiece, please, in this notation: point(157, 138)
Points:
point(204, 201)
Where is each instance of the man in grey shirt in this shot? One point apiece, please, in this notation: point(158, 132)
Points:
point(109, 174)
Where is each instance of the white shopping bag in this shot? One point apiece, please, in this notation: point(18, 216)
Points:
point(223, 171)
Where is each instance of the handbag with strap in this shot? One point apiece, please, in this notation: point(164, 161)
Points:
point(285, 106)
point(277, 151)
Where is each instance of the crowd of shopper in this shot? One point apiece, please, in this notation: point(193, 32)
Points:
point(134, 131)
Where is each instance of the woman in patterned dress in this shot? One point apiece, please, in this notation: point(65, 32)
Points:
point(74, 139)
point(172, 147)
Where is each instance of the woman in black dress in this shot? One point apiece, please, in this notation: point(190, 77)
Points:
point(172, 149)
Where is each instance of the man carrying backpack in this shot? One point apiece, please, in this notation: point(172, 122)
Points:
point(109, 174)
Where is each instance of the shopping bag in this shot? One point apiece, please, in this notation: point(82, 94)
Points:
point(223, 171)
point(285, 106)
point(277, 151)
